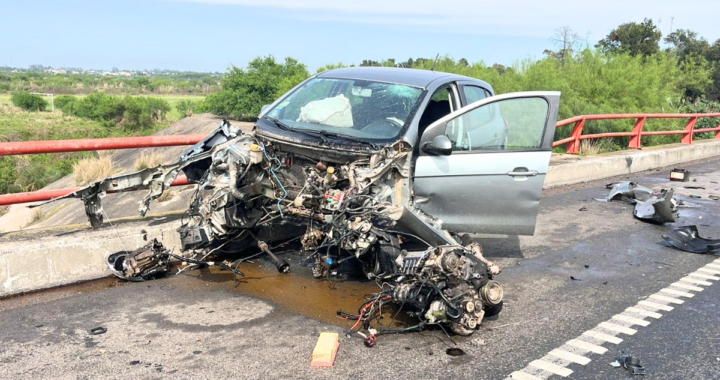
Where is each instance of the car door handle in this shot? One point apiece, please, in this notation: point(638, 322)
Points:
point(519, 173)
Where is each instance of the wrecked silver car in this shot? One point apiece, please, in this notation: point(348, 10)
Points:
point(381, 165)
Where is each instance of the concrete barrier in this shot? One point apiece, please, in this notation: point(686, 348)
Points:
point(43, 258)
point(575, 169)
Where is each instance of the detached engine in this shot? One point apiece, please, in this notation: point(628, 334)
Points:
point(451, 285)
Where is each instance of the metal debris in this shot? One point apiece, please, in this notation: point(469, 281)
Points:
point(630, 363)
point(660, 208)
point(454, 351)
point(98, 331)
point(687, 238)
point(626, 189)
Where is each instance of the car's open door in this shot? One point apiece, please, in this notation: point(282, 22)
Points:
point(481, 168)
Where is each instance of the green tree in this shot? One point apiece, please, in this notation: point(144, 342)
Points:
point(633, 38)
point(244, 92)
point(28, 102)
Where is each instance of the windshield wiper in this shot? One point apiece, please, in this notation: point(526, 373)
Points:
point(342, 137)
point(282, 125)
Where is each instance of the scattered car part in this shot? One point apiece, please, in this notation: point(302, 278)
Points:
point(694, 187)
point(624, 189)
point(149, 261)
point(449, 285)
point(98, 330)
point(681, 175)
point(659, 208)
point(630, 363)
point(454, 351)
point(687, 238)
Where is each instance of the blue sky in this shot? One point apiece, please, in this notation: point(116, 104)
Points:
point(211, 35)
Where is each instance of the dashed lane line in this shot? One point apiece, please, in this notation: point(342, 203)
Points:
point(551, 364)
point(617, 328)
point(602, 336)
point(551, 367)
point(677, 293)
point(631, 320)
point(686, 286)
point(708, 270)
point(569, 356)
point(517, 375)
point(587, 346)
point(643, 312)
point(705, 276)
point(661, 297)
point(656, 306)
point(695, 281)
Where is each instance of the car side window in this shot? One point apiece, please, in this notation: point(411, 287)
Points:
point(510, 124)
point(474, 93)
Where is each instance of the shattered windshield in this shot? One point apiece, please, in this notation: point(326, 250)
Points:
point(350, 107)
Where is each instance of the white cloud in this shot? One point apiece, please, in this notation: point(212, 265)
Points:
point(510, 17)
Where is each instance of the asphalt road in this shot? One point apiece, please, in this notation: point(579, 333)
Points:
point(197, 325)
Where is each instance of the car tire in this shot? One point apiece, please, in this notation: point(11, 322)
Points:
point(385, 251)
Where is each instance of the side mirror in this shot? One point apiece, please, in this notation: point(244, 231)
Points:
point(440, 146)
point(264, 108)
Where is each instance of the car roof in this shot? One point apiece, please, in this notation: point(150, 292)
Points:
point(410, 77)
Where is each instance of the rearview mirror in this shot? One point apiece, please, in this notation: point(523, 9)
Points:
point(440, 146)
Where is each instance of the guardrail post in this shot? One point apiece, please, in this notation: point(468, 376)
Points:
point(717, 133)
point(573, 147)
point(688, 134)
point(636, 138)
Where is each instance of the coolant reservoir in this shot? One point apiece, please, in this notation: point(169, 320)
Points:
point(256, 153)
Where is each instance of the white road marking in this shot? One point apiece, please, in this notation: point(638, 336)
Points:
point(711, 271)
point(552, 367)
point(696, 281)
point(569, 356)
point(698, 277)
point(655, 306)
point(617, 328)
point(686, 286)
point(666, 299)
point(523, 376)
point(644, 312)
point(587, 346)
point(602, 336)
point(633, 320)
point(705, 276)
point(677, 292)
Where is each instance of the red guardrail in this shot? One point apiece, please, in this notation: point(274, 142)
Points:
point(77, 145)
point(43, 195)
point(573, 142)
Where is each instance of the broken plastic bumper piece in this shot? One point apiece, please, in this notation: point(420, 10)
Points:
point(660, 208)
point(688, 239)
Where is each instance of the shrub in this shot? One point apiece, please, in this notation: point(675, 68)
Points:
point(88, 170)
point(28, 101)
point(185, 107)
point(147, 160)
point(65, 103)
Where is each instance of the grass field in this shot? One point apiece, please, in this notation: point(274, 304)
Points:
point(171, 99)
point(31, 172)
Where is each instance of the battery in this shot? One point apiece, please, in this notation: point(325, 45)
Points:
point(681, 175)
